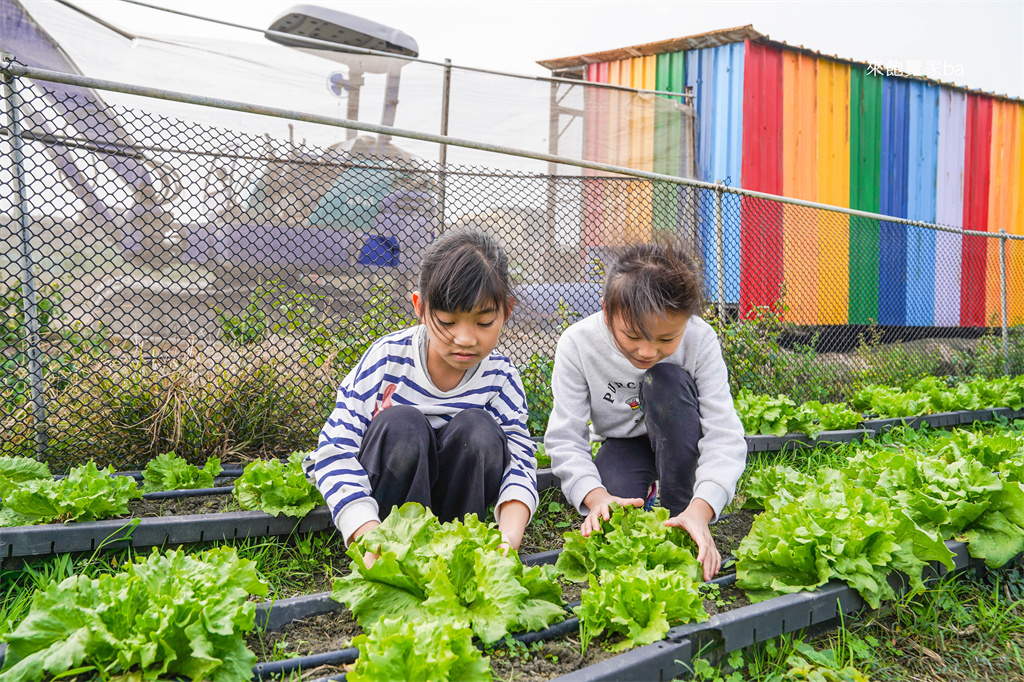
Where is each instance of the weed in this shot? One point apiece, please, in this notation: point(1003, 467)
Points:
point(246, 328)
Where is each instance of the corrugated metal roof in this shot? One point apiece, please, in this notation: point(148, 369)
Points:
point(701, 40)
point(724, 37)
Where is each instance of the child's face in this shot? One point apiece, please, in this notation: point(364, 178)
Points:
point(666, 335)
point(461, 340)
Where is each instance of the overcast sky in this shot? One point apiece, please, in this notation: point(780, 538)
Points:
point(975, 44)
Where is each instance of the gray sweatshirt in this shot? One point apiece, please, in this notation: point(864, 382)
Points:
point(593, 380)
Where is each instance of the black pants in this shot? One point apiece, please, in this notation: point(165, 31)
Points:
point(668, 453)
point(454, 470)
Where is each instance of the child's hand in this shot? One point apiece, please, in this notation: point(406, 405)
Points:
point(512, 524)
point(694, 520)
point(599, 501)
point(369, 557)
point(506, 544)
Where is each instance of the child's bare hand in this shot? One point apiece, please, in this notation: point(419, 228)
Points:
point(599, 502)
point(694, 520)
point(368, 557)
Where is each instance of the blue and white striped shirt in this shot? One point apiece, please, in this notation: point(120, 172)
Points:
point(394, 360)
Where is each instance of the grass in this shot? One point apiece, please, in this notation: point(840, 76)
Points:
point(964, 628)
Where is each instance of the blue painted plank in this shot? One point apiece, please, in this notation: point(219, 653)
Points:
point(726, 156)
point(700, 76)
point(921, 182)
point(892, 247)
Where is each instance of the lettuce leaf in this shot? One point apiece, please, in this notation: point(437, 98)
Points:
point(163, 616)
point(630, 536)
point(836, 529)
point(638, 603)
point(404, 649)
point(452, 571)
point(17, 470)
point(276, 488)
point(87, 494)
point(170, 472)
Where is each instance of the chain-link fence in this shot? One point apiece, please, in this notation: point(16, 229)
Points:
point(170, 286)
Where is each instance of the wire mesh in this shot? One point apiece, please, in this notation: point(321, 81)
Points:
point(173, 286)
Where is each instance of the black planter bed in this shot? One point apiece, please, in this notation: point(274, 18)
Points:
point(870, 428)
point(791, 440)
point(22, 542)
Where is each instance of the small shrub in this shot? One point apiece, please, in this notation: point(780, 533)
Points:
point(536, 375)
point(245, 328)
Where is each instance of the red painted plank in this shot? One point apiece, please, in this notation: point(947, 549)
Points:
point(761, 242)
point(977, 154)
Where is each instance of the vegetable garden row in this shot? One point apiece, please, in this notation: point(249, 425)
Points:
point(443, 598)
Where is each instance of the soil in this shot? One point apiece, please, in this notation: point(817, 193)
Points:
point(731, 529)
point(572, 592)
point(729, 598)
point(326, 632)
point(550, 660)
point(205, 504)
point(554, 517)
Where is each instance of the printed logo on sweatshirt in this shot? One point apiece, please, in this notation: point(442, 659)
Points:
point(634, 402)
point(614, 387)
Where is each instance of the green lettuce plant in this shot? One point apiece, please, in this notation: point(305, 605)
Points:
point(452, 571)
point(889, 403)
point(835, 416)
point(764, 414)
point(165, 615)
point(17, 470)
point(405, 649)
point(631, 536)
point(86, 494)
point(170, 472)
point(276, 488)
point(833, 529)
point(953, 495)
point(638, 603)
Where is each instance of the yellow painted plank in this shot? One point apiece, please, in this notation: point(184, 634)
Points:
point(799, 180)
point(833, 106)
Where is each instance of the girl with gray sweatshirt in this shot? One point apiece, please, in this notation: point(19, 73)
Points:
point(648, 375)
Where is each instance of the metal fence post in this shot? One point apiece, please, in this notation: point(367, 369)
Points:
point(1002, 292)
point(720, 251)
point(30, 306)
point(446, 93)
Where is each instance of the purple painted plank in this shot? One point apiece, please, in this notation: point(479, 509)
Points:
point(949, 208)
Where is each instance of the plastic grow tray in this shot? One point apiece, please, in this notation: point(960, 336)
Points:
point(769, 443)
point(57, 538)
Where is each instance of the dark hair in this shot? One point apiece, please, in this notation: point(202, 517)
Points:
point(647, 280)
point(464, 269)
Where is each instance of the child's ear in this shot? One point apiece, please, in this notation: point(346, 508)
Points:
point(417, 301)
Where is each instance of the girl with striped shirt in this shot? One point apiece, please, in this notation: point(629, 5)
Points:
point(433, 414)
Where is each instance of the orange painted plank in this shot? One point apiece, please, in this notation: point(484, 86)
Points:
point(833, 105)
point(1000, 201)
point(799, 180)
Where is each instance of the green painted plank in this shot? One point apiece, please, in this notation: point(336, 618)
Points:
point(670, 76)
point(865, 182)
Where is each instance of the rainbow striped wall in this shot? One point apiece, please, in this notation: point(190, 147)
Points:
point(779, 120)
